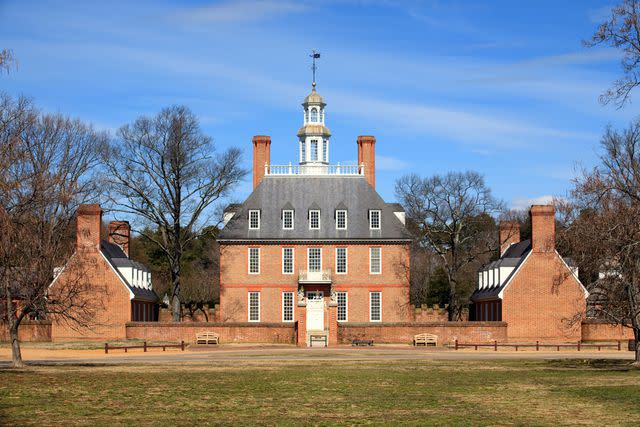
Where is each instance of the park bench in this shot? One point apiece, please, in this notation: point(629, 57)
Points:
point(207, 338)
point(322, 338)
point(362, 342)
point(425, 339)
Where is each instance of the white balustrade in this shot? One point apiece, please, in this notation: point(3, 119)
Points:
point(344, 170)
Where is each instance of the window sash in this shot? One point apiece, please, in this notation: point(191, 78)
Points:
point(314, 260)
point(254, 260)
point(375, 260)
point(287, 219)
point(303, 151)
point(254, 220)
point(343, 307)
point(375, 306)
point(341, 220)
point(341, 260)
point(287, 261)
point(374, 220)
point(324, 150)
point(287, 306)
point(314, 150)
point(254, 306)
point(314, 220)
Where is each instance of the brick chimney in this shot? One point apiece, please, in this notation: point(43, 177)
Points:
point(367, 156)
point(120, 235)
point(88, 221)
point(543, 228)
point(261, 156)
point(509, 235)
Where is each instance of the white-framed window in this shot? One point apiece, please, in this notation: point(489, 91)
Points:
point(306, 116)
point(287, 306)
point(314, 259)
point(287, 260)
point(374, 220)
point(314, 150)
point(341, 260)
point(314, 220)
point(254, 219)
point(303, 151)
point(254, 306)
point(287, 219)
point(375, 306)
point(375, 260)
point(324, 150)
point(343, 307)
point(341, 220)
point(254, 260)
point(314, 115)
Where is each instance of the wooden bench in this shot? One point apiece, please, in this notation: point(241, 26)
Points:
point(207, 338)
point(362, 342)
point(318, 338)
point(425, 339)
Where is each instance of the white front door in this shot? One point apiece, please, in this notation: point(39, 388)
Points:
point(315, 311)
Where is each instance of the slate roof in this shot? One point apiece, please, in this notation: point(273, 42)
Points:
point(512, 257)
point(116, 256)
point(326, 193)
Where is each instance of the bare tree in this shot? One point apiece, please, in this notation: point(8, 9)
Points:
point(6, 59)
point(452, 215)
point(45, 163)
point(165, 172)
point(621, 31)
point(602, 233)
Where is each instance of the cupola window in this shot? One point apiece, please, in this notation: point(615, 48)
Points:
point(314, 150)
point(314, 115)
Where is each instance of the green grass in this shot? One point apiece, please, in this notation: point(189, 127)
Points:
point(317, 392)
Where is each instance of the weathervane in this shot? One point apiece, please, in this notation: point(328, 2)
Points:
point(314, 55)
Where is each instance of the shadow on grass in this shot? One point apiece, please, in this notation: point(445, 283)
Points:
point(596, 364)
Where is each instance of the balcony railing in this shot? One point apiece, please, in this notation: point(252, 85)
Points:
point(295, 170)
point(307, 276)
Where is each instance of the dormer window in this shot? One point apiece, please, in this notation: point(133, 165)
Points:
point(374, 220)
point(314, 115)
point(287, 219)
point(314, 220)
point(254, 220)
point(341, 220)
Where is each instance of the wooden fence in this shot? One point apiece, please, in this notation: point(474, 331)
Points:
point(579, 346)
point(144, 346)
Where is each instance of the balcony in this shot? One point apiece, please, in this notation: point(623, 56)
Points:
point(297, 170)
point(306, 276)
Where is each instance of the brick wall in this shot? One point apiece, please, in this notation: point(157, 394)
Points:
point(29, 331)
point(597, 330)
point(274, 333)
point(544, 301)
point(447, 332)
point(425, 314)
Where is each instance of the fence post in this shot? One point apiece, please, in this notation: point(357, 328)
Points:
point(578, 345)
point(106, 347)
point(537, 345)
point(182, 345)
point(495, 345)
point(456, 344)
point(618, 345)
point(145, 346)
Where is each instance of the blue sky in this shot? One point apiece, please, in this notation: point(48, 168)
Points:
point(501, 87)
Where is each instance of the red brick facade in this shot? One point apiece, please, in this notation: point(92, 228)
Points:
point(272, 333)
point(403, 333)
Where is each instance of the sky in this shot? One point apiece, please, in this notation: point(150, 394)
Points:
point(500, 87)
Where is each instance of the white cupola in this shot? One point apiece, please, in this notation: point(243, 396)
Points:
point(313, 136)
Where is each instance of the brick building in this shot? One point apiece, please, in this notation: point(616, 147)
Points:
point(113, 287)
point(314, 242)
point(531, 287)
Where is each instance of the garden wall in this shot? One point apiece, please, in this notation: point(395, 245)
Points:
point(447, 332)
point(273, 333)
point(29, 331)
point(598, 330)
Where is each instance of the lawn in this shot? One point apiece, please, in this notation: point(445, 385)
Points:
point(349, 392)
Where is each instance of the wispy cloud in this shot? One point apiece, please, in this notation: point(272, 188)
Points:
point(240, 11)
point(388, 163)
point(526, 202)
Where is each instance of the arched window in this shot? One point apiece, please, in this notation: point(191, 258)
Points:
point(314, 115)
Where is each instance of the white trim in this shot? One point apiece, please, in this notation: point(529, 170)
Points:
point(249, 260)
point(309, 258)
point(292, 219)
point(575, 276)
point(379, 219)
point(319, 225)
point(293, 260)
point(375, 247)
point(371, 305)
point(258, 212)
point(346, 306)
point(293, 314)
point(346, 260)
point(346, 223)
point(249, 306)
point(514, 274)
